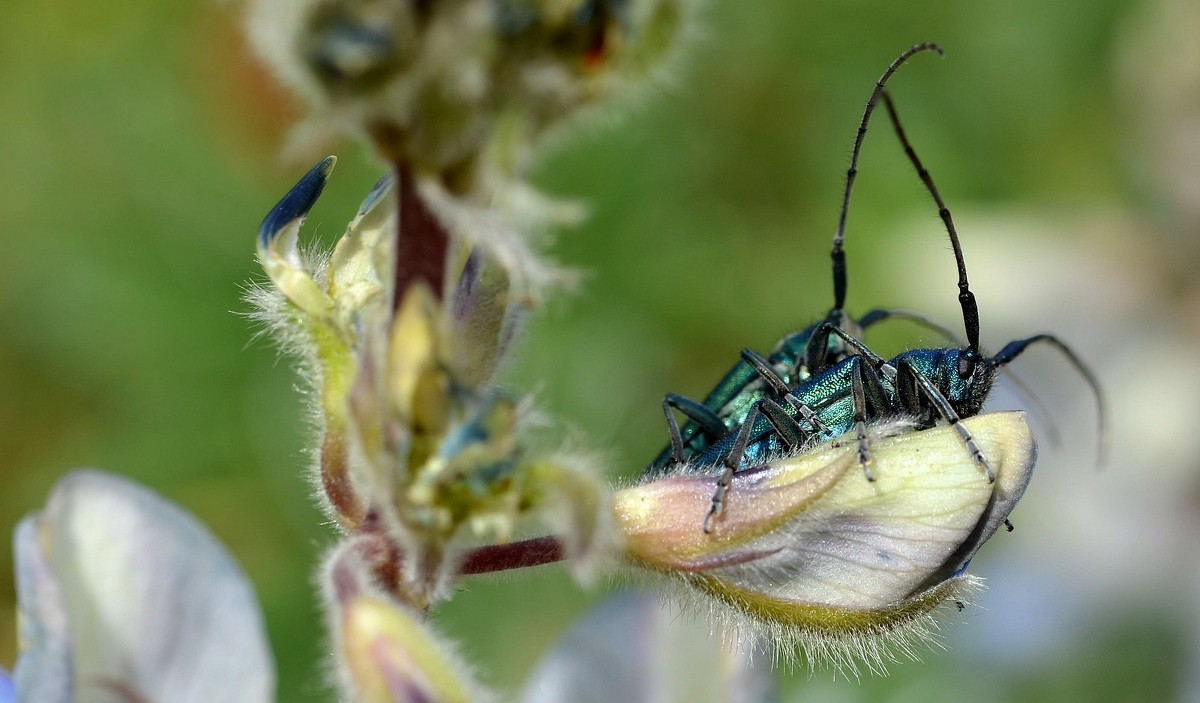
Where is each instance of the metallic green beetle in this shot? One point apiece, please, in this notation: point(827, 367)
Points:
point(919, 386)
point(797, 356)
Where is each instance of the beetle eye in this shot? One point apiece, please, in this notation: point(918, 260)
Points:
point(967, 362)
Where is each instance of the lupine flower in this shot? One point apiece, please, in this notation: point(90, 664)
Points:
point(417, 443)
point(400, 329)
point(429, 467)
point(386, 652)
point(126, 598)
point(811, 555)
point(421, 450)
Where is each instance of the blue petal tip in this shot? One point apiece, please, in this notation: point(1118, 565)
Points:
point(297, 202)
point(381, 188)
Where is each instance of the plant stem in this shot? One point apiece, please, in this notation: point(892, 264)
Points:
point(421, 240)
point(518, 555)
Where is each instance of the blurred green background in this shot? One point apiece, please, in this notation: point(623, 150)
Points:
point(140, 149)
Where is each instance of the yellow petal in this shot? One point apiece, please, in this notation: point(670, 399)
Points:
point(393, 659)
point(416, 375)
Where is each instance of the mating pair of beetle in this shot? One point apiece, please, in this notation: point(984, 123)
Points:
point(822, 382)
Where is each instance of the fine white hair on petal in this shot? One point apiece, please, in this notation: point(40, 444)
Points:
point(849, 653)
point(811, 557)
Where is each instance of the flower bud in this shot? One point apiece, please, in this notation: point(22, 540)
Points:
point(416, 441)
point(808, 548)
point(278, 242)
point(462, 89)
point(392, 658)
point(385, 654)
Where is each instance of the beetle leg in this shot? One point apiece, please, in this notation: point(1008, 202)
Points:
point(860, 421)
point(765, 371)
point(944, 409)
point(773, 379)
point(788, 429)
point(870, 399)
point(807, 413)
point(705, 419)
point(732, 462)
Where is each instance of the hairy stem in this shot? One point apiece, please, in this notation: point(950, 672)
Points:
point(518, 555)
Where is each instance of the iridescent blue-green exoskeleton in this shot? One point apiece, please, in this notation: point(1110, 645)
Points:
point(795, 357)
point(921, 386)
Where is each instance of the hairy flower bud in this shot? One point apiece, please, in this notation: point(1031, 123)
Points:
point(461, 89)
point(811, 552)
point(385, 653)
point(392, 658)
point(417, 442)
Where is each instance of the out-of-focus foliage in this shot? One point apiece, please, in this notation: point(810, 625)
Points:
point(139, 143)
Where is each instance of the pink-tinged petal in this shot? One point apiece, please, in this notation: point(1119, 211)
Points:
point(155, 607)
point(811, 552)
point(385, 652)
point(392, 658)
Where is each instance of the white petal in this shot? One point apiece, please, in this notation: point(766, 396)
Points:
point(632, 649)
point(155, 604)
point(869, 544)
point(43, 671)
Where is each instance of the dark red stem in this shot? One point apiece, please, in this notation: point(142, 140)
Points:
point(421, 240)
point(518, 555)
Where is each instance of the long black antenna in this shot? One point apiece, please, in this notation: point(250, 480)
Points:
point(1016, 347)
point(839, 256)
point(966, 299)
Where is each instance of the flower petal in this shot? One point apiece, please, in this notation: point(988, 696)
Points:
point(8, 694)
point(630, 648)
point(391, 658)
point(155, 606)
point(812, 530)
point(813, 557)
point(43, 670)
point(278, 242)
point(298, 201)
point(1009, 487)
